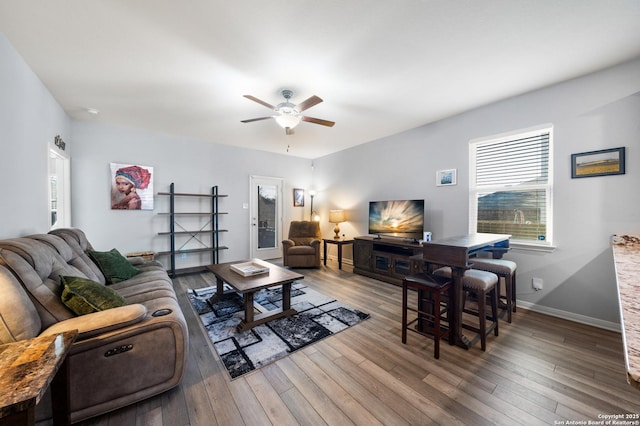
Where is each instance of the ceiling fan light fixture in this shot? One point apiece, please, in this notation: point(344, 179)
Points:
point(288, 119)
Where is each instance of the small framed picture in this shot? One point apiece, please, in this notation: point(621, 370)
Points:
point(298, 197)
point(598, 163)
point(446, 177)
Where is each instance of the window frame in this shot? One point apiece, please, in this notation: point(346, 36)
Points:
point(474, 189)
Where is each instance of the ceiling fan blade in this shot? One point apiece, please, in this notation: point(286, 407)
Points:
point(288, 130)
point(256, 119)
point(313, 100)
point(318, 121)
point(260, 101)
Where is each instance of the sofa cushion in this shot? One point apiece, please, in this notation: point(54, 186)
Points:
point(38, 269)
point(19, 319)
point(113, 265)
point(77, 240)
point(84, 296)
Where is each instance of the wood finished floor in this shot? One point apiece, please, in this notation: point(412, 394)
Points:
point(540, 370)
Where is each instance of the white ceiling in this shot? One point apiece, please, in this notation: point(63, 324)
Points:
point(381, 66)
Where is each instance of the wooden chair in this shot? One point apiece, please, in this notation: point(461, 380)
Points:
point(430, 308)
point(506, 271)
point(482, 284)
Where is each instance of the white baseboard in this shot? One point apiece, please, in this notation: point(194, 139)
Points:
point(582, 319)
point(570, 316)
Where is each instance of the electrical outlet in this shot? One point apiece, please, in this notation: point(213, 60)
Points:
point(536, 283)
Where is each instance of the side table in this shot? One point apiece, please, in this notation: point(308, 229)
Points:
point(339, 243)
point(28, 367)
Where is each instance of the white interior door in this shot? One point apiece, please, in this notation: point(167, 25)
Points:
point(59, 190)
point(266, 217)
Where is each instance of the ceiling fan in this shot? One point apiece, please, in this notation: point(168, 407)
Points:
point(289, 115)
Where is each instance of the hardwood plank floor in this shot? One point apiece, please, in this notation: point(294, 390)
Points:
point(540, 370)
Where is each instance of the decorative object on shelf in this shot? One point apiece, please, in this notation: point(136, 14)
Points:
point(289, 115)
point(298, 197)
point(337, 217)
point(446, 177)
point(598, 163)
point(146, 255)
point(131, 187)
point(57, 141)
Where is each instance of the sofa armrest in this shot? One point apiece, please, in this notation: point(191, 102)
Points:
point(100, 322)
point(315, 243)
point(288, 243)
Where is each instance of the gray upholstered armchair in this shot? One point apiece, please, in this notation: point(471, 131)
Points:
point(302, 249)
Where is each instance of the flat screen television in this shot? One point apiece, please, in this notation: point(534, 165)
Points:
point(397, 218)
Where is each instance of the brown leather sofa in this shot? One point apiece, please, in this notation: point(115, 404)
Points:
point(302, 248)
point(122, 355)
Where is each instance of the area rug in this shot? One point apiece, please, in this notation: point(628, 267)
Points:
point(318, 316)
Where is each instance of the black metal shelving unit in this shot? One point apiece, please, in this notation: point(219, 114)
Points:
point(212, 228)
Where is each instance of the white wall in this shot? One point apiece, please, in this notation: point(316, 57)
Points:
point(30, 119)
point(193, 166)
point(595, 112)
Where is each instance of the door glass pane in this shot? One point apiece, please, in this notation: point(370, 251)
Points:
point(267, 216)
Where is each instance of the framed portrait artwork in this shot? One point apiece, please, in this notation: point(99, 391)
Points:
point(598, 163)
point(298, 197)
point(131, 187)
point(446, 177)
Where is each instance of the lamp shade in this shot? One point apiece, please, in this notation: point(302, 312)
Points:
point(336, 216)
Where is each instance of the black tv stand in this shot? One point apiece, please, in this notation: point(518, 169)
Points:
point(385, 259)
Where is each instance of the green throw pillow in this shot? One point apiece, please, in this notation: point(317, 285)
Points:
point(113, 265)
point(84, 296)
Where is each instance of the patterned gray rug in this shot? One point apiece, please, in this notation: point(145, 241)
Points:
point(318, 316)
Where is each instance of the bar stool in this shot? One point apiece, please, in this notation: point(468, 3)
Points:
point(505, 270)
point(482, 284)
point(430, 308)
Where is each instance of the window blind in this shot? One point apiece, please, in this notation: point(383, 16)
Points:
point(513, 162)
point(510, 191)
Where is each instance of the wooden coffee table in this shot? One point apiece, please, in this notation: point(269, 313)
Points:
point(248, 286)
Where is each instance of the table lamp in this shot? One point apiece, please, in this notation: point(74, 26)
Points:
point(336, 216)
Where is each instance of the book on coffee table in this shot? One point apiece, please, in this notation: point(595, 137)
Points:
point(248, 269)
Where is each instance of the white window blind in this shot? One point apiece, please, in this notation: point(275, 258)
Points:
point(511, 186)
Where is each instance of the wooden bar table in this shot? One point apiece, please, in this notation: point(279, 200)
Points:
point(455, 252)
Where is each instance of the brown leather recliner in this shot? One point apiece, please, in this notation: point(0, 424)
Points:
point(302, 249)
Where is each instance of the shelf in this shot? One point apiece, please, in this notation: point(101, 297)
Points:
point(184, 194)
point(184, 237)
point(191, 213)
point(202, 231)
point(196, 250)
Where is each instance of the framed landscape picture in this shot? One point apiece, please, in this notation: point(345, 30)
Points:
point(598, 163)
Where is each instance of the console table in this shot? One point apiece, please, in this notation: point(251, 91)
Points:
point(339, 243)
point(28, 367)
point(385, 259)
